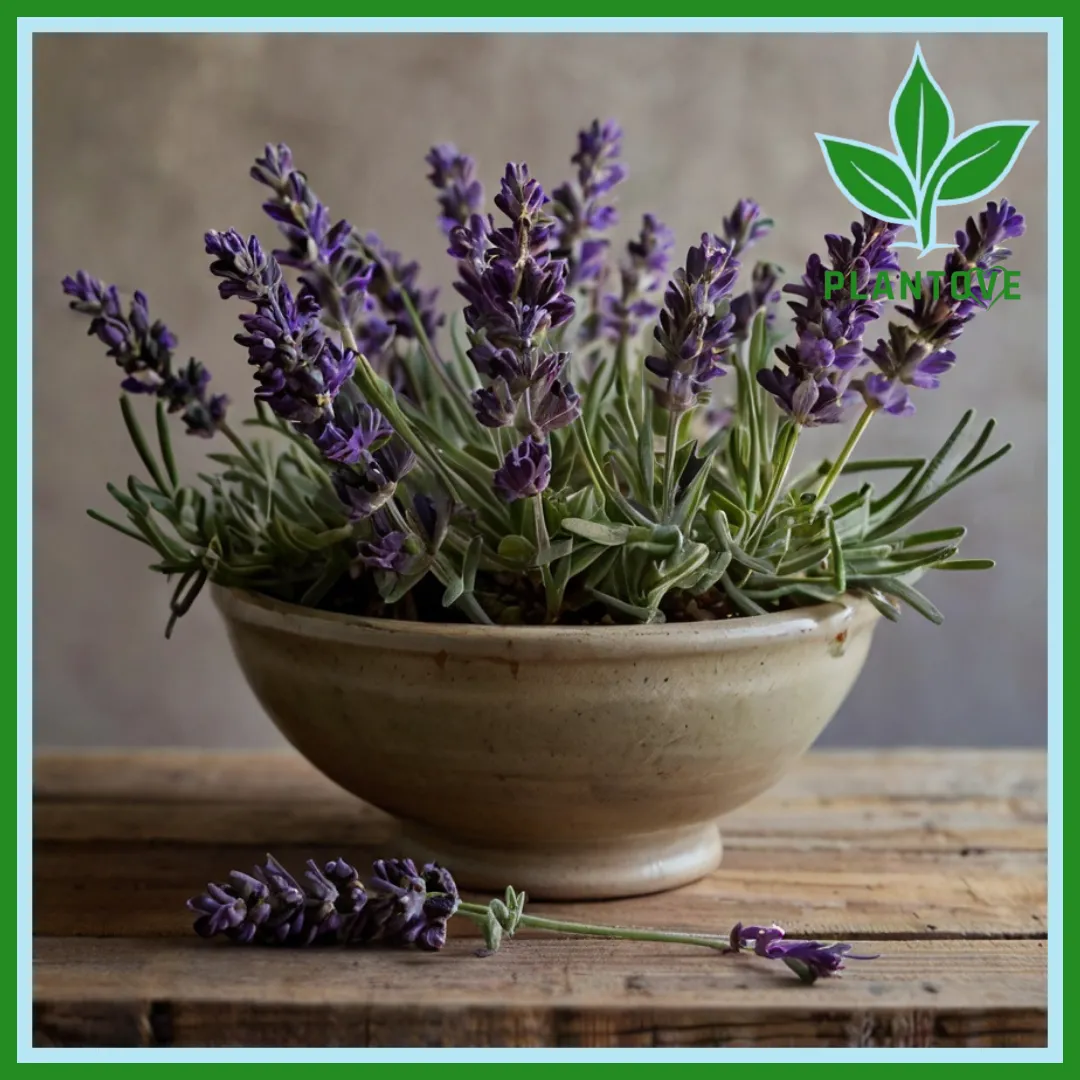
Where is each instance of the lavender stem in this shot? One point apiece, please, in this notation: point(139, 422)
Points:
point(842, 458)
point(479, 913)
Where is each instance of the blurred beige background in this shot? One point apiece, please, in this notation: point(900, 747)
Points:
point(142, 142)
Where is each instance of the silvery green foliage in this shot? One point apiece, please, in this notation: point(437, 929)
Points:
point(594, 469)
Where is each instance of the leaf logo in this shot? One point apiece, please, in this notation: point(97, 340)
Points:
point(931, 167)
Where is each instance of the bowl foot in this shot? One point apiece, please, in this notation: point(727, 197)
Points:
point(600, 870)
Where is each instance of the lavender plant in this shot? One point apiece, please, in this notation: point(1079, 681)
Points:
point(404, 905)
point(558, 453)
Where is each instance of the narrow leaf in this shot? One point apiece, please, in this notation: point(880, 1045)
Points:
point(598, 532)
point(116, 525)
point(883, 605)
point(903, 591)
point(165, 442)
point(837, 557)
point(138, 440)
point(640, 614)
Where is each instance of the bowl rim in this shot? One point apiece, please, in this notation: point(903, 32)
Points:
point(824, 622)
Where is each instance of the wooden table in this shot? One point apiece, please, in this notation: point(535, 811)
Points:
point(934, 859)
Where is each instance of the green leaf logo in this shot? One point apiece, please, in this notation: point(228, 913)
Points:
point(931, 166)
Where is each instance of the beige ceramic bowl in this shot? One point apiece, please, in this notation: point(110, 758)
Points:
point(573, 763)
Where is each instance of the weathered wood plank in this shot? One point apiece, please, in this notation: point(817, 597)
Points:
point(863, 822)
point(533, 993)
point(278, 776)
point(939, 857)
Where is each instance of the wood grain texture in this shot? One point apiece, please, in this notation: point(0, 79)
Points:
point(935, 860)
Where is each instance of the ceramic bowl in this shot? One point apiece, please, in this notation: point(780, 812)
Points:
point(571, 762)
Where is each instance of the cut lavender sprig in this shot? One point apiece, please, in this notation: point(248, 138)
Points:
point(407, 905)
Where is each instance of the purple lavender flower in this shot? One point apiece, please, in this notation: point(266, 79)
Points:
point(350, 899)
point(409, 906)
point(558, 406)
point(299, 370)
point(746, 226)
point(469, 241)
point(515, 295)
point(694, 333)
point(394, 284)
point(806, 400)
point(301, 373)
point(352, 431)
point(144, 350)
point(916, 355)
point(461, 195)
point(810, 960)
point(332, 268)
point(813, 385)
point(245, 269)
point(236, 909)
point(581, 214)
point(358, 282)
point(386, 551)
point(620, 317)
point(525, 471)
point(981, 243)
point(762, 293)
point(186, 392)
point(369, 486)
point(272, 908)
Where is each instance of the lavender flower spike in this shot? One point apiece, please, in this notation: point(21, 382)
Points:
point(332, 269)
point(461, 195)
point(516, 296)
point(813, 384)
point(270, 907)
point(695, 326)
point(763, 293)
point(916, 355)
point(640, 274)
point(143, 349)
point(526, 471)
point(581, 214)
point(746, 226)
point(362, 493)
point(350, 276)
point(299, 370)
